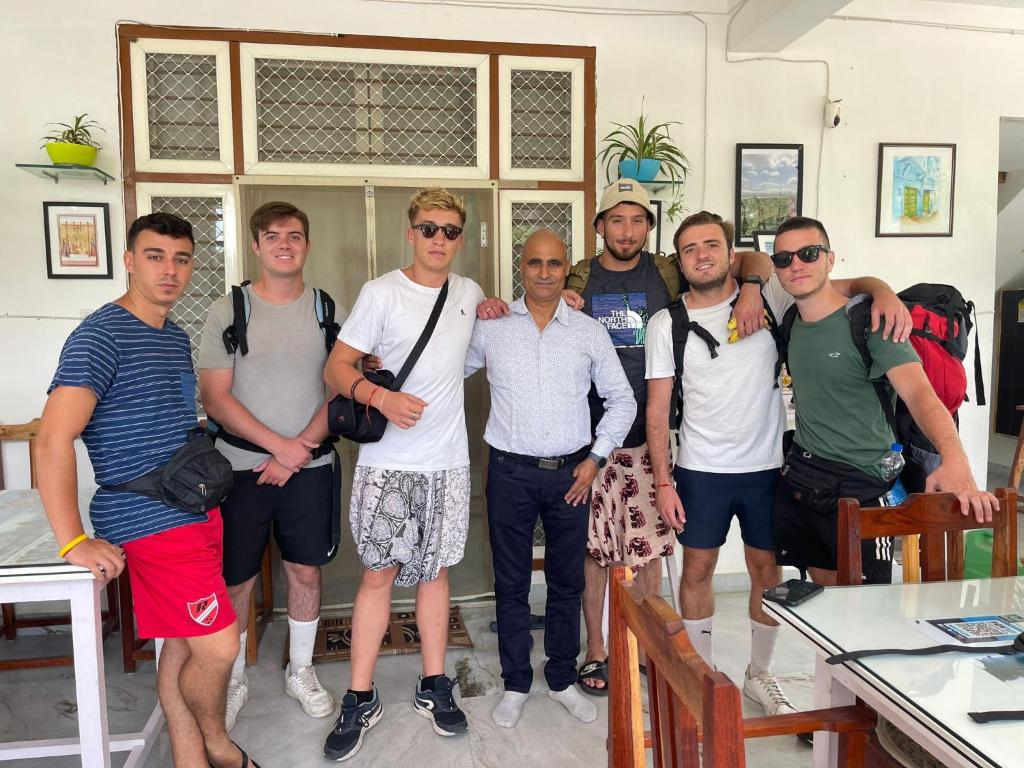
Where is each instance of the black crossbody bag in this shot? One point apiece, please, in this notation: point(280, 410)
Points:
point(364, 423)
point(818, 483)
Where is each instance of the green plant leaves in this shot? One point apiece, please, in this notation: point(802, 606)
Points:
point(645, 141)
point(77, 133)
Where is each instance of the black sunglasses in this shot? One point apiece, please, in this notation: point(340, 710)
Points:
point(451, 232)
point(808, 255)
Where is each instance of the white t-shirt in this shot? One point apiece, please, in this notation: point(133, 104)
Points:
point(387, 319)
point(733, 416)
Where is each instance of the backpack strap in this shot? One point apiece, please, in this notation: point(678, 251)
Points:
point(668, 268)
point(579, 276)
point(325, 309)
point(979, 384)
point(234, 335)
point(682, 326)
point(858, 312)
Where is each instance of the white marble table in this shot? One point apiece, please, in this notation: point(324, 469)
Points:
point(31, 571)
point(927, 697)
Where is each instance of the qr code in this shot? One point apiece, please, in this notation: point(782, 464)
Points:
point(978, 629)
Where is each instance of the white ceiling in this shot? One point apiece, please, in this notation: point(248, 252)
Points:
point(1003, 3)
point(1011, 145)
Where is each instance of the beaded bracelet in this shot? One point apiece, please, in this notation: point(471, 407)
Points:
point(72, 544)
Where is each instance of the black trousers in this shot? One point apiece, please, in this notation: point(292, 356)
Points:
point(517, 494)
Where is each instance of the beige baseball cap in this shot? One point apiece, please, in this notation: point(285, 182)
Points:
point(624, 191)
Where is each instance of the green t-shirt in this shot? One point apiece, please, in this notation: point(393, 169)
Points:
point(838, 415)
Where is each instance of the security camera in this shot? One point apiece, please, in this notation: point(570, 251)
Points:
point(832, 116)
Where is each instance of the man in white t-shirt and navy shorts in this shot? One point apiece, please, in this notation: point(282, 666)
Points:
point(411, 490)
point(730, 438)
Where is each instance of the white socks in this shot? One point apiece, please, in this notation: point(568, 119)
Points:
point(699, 632)
point(581, 708)
point(238, 667)
point(762, 647)
point(301, 639)
point(509, 709)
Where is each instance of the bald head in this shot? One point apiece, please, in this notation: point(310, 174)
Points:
point(543, 266)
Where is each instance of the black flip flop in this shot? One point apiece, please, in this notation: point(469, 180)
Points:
point(247, 762)
point(593, 670)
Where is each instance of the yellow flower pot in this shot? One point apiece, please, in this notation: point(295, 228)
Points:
point(77, 154)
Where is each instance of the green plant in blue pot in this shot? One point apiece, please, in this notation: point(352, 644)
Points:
point(643, 150)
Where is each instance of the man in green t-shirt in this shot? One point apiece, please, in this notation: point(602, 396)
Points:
point(841, 430)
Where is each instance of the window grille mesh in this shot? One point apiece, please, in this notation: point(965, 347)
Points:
point(206, 215)
point(541, 117)
point(182, 106)
point(527, 217)
point(368, 114)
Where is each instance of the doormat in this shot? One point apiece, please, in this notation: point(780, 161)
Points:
point(334, 636)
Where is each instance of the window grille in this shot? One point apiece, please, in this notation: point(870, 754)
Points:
point(349, 113)
point(541, 118)
point(528, 217)
point(182, 106)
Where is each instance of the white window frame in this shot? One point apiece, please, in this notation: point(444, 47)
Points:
point(251, 52)
point(505, 66)
point(506, 198)
point(146, 191)
point(140, 103)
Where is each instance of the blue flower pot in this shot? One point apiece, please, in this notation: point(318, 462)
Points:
point(645, 170)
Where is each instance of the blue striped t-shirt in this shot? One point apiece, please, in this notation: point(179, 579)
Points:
point(145, 387)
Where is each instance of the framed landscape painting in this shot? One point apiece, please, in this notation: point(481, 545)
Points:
point(769, 187)
point(915, 190)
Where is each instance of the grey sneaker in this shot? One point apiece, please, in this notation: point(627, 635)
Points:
point(765, 690)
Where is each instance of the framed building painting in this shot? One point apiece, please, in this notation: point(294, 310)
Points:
point(769, 187)
point(77, 241)
point(915, 190)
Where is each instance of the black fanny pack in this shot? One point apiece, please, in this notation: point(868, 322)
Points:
point(818, 483)
point(196, 479)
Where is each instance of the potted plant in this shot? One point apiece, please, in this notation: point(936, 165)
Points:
point(72, 144)
point(643, 150)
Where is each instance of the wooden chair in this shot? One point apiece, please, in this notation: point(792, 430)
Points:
point(938, 520)
point(118, 614)
point(690, 703)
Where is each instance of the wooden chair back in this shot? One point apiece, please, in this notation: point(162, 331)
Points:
point(689, 702)
point(940, 523)
point(21, 432)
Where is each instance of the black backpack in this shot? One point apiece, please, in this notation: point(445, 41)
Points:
point(234, 335)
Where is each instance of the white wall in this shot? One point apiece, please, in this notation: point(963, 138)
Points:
point(898, 83)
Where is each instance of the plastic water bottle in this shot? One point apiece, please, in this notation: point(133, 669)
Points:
point(896, 495)
point(892, 463)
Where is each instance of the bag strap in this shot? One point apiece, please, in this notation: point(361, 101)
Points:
point(234, 335)
point(997, 715)
point(979, 383)
point(1017, 646)
point(858, 312)
point(324, 306)
point(421, 342)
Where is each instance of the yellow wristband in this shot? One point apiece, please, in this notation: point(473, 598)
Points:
point(72, 544)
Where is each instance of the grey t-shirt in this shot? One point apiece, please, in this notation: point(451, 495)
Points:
point(281, 380)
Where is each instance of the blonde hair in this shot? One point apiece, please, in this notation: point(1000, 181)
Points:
point(436, 197)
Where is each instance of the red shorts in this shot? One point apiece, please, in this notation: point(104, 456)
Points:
point(177, 583)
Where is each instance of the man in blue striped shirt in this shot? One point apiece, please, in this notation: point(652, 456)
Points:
point(125, 384)
point(541, 359)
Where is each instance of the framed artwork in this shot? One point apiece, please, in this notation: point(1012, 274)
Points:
point(764, 241)
point(769, 187)
point(915, 190)
point(77, 241)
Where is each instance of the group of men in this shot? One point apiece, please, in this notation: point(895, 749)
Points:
point(578, 433)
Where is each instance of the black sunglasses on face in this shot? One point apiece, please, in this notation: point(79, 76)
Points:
point(451, 232)
point(808, 255)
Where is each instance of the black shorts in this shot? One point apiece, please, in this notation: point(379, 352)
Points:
point(305, 515)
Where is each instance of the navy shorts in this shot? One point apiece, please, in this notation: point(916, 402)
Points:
point(712, 498)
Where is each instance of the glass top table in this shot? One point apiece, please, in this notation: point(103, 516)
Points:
point(928, 697)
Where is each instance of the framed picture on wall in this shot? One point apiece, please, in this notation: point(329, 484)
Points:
point(77, 241)
point(915, 190)
point(769, 187)
point(764, 241)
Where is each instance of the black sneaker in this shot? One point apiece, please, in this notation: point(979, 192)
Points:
point(354, 721)
point(439, 705)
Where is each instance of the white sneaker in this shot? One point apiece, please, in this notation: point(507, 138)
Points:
point(302, 684)
point(765, 690)
point(238, 694)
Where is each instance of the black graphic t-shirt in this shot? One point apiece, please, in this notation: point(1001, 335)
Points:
point(623, 302)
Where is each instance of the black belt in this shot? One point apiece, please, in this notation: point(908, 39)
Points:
point(546, 462)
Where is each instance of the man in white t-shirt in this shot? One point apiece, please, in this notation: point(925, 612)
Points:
point(410, 491)
point(730, 439)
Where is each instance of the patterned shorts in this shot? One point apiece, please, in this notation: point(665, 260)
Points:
point(414, 520)
point(624, 522)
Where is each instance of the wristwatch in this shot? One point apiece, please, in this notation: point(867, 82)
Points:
point(599, 460)
point(753, 279)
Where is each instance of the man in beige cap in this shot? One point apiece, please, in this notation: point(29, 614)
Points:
point(623, 288)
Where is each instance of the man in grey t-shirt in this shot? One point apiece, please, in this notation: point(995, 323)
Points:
point(267, 397)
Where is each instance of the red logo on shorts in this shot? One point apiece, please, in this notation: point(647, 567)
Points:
point(204, 610)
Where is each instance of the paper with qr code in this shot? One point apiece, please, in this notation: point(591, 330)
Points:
point(973, 630)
